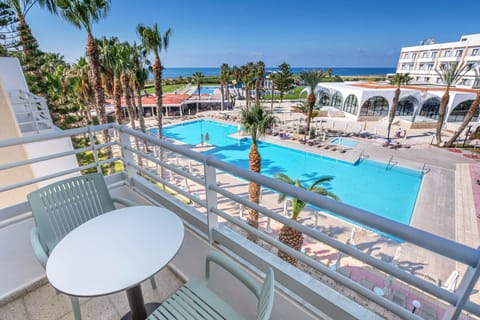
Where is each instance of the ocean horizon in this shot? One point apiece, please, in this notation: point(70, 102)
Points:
point(340, 71)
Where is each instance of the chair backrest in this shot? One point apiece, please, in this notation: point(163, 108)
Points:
point(62, 206)
point(264, 294)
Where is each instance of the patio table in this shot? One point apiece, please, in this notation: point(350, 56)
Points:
point(116, 251)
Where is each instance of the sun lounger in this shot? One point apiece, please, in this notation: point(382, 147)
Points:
point(428, 312)
point(399, 298)
point(366, 283)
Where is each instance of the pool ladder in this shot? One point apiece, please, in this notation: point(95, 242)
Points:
point(391, 163)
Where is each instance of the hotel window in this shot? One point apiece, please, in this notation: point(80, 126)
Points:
point(476, 52)
point(422, 66)
point(425, 54)
point(458, 53)
point(427, 79)
point(447, 53)
point(410, 66)
point(414, 55)
point(434, 54)
point(430, 66)
point(406, 55)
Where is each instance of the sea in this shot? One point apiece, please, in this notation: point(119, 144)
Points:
point(340, 71)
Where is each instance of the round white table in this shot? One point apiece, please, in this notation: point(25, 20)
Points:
point(116, 251)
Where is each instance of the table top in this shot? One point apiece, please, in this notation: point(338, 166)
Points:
point(115, 251)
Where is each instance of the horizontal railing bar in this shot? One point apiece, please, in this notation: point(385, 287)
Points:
point(170, 185)
point(164, 143)
point(166, 165)
point(319, 266)
point(351, 251)
point(53, 135)
point(432, 242)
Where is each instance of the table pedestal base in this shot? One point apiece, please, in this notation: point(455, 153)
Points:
point(149, 308)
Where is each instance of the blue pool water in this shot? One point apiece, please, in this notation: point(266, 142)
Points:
point(206, 90)
point(344, 142)
point(370, 185)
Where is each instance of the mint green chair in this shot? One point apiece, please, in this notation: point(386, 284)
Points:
point(195, 300)
point(62, 206)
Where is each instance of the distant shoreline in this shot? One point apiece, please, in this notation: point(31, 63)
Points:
point(339, 71)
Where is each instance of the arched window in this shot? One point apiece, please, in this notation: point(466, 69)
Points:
point(429, 108)
point(323, 98)
point(351, 104)
point(406, 106)
point(337, 100)
point(375, 106)
point(460, 111)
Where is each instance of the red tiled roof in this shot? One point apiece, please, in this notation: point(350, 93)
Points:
point(151, 100)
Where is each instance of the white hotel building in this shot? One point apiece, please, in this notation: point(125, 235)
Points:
point(420, 100)
point(422, 61)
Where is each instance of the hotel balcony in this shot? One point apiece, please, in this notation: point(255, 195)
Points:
point(335, 279)
point(450, 58)
point(472, 58)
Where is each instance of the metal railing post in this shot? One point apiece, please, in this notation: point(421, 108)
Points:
point(464, 291)
point(211, 199)
point(128, 157)
point(94, 150)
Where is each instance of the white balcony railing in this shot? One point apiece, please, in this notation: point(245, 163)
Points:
point(202, 170)
point(31, 112)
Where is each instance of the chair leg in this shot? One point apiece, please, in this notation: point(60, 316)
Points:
point(153, 283)
point(76, 308)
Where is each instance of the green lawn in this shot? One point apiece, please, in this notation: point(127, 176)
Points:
point(166, 88)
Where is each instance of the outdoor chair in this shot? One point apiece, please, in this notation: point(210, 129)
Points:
point(195, 300)
point(61, 207)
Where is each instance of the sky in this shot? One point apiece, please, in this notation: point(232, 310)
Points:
point(303, 33)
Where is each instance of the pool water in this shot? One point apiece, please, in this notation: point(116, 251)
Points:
point(387, 191)
point(349, 143)
point(205, 90)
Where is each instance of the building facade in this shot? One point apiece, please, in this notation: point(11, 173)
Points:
point(423, 61)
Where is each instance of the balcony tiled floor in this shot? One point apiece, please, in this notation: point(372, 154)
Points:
point(45, 304)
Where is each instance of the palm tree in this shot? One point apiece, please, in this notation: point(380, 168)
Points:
point(449, 74)
point(311, 79)
point(153, 42)
point(302, 107)
point(82, 14)
point(288, 235)
point(224, 75)
point(468, 117)
point(236, 75)
point(84, 90)
point(198, 76)
point(398, 79)
point(259, 74)
point(139, 77)
point(256, 121)
point(248, 73)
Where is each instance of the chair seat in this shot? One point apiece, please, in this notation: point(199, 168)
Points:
point(194, 300)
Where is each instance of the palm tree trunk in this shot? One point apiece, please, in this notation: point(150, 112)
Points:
point(393, 110)
point(223, 96)
point(468, 117)
point(228, 94)
point(441, 115)
point(140, 110)
point(311, 104)
point(117, 99)
point(257, 91)
point(157, 74)
point(94, 62)
point(254, 188)
point(271, 103)
point(293, 239)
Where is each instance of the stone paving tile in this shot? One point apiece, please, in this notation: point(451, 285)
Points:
point(14, 310)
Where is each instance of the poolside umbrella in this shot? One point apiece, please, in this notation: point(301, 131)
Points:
point(285, 209)
point(190, 166)
point(352, 237)
point(396, 257)
point(388, 286)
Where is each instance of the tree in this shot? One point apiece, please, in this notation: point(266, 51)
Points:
point(449, 74)
point(468, 117)
point(311, 79)
point(235, 72)
point(302, 107)
point(154, 42)
point(8, 30)
point(198, 76)
point(283, 79)
point(82, 14)
point(288, 235)
point(139, 77)
point(259, 75)
point(247, 72)
point(224, 79)
point(398, 79)
point(256, 121)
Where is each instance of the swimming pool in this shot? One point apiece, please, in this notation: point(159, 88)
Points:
point(369, 185)
point(206, 90)
point(349, 143)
